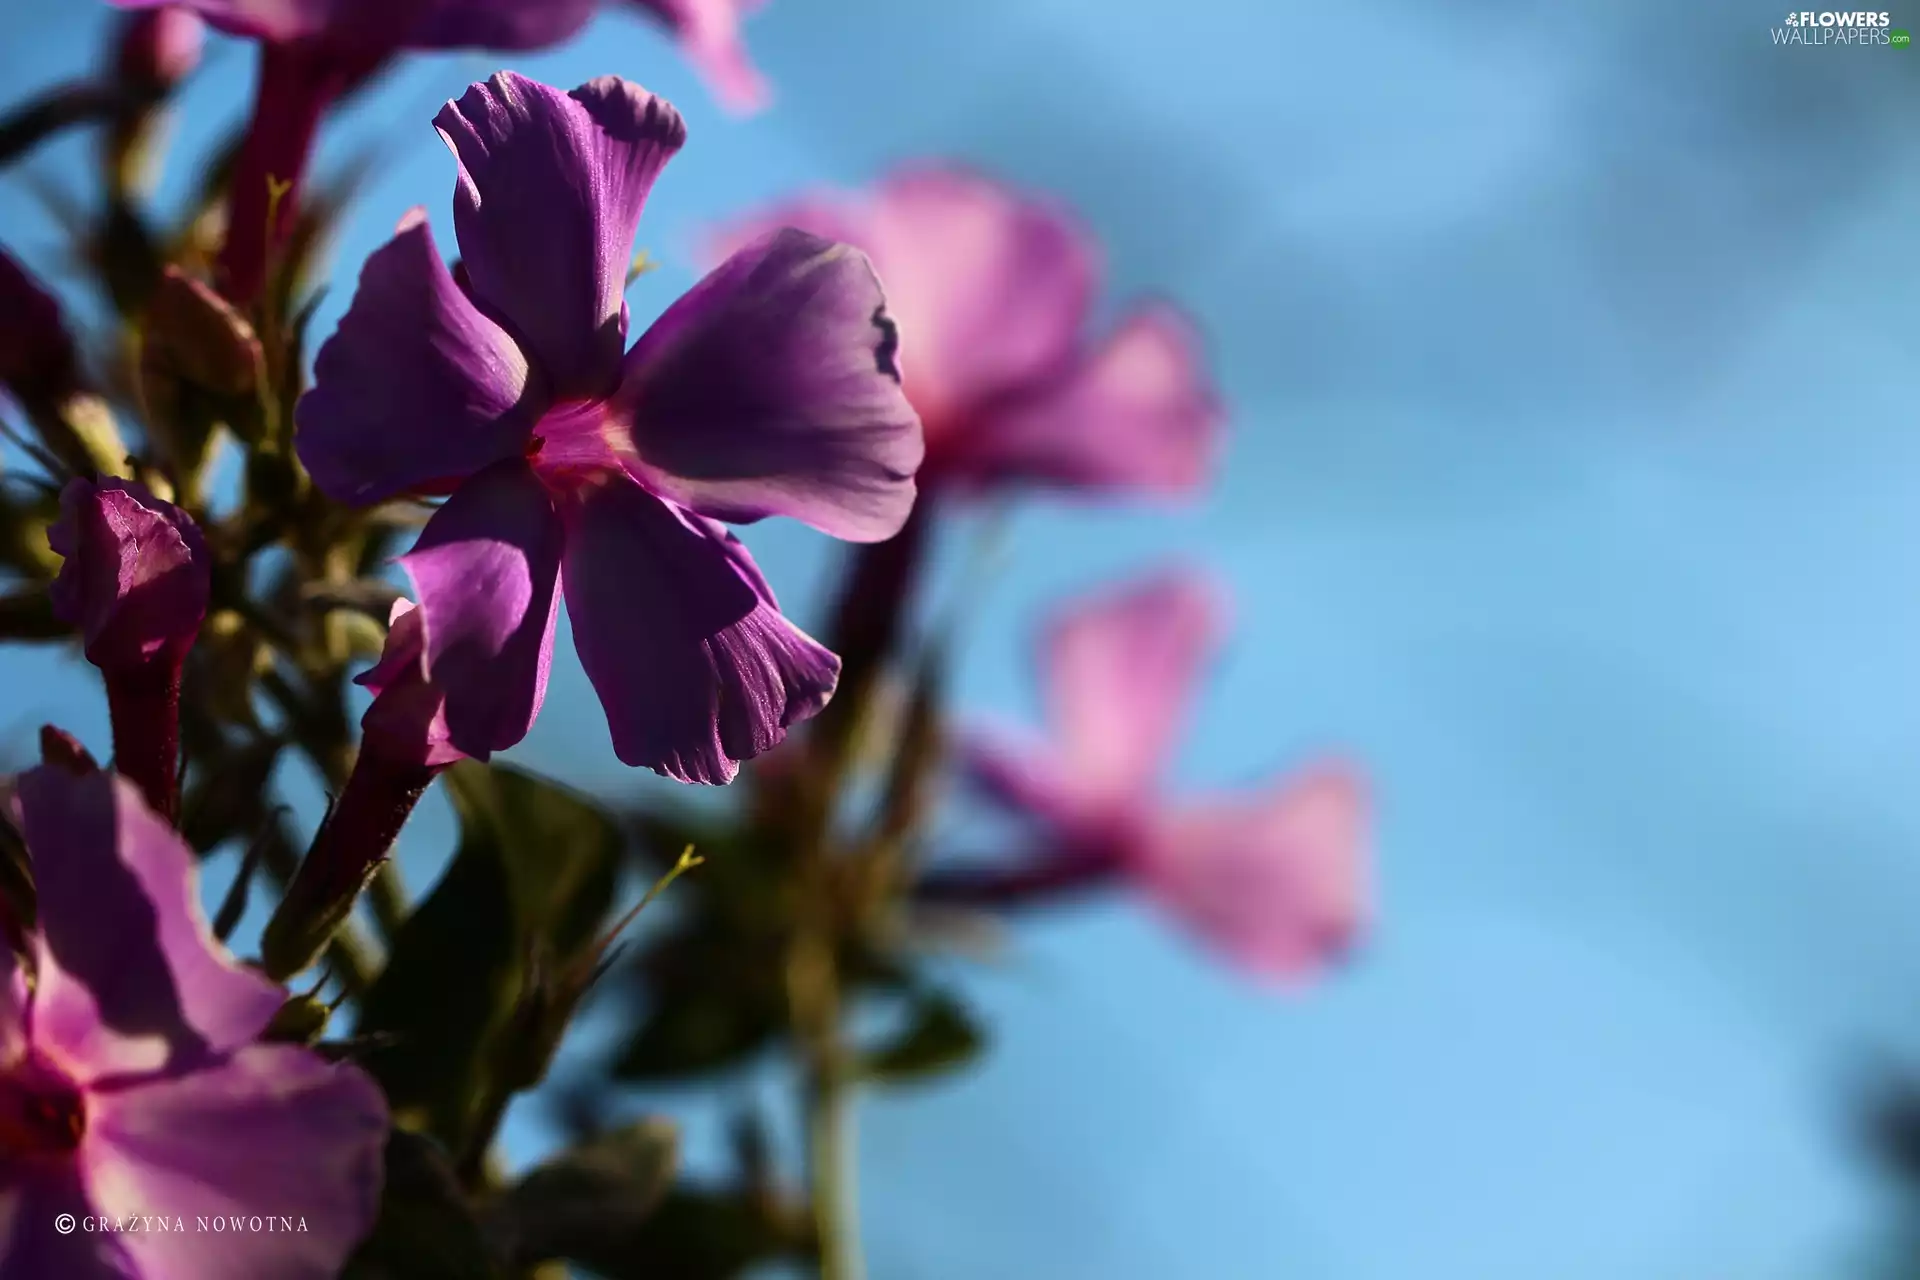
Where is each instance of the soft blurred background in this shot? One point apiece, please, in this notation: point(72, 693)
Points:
point(1569, 487)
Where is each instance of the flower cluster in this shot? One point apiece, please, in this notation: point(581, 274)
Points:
point(857, 364)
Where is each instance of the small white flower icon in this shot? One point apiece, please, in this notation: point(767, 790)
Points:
point(1793, 19)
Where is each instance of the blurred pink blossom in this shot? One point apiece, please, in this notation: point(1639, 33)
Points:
point(1277, 880)
point(993, 292)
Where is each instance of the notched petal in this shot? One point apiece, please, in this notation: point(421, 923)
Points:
point(696, 668)
point(773, 388)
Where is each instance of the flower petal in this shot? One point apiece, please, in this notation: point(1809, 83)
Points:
point(275, 1130)
point(499, 24)
point(129, 977)
point(770, 389)
point(32, 1246)
point(696, 669)
point(1138, 413)
point(990, 288)
point(485, 570)
point(827, 214)
point(415, 386)
point(709, 32)
point(277, 20)
point(408, 718)
point(1027, 778)
point(549, 197)
point(1119, 671)
point(1280, 884)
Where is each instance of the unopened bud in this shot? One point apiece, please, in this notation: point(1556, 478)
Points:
point(202, 337)
point(155, 49)
point(301, 1020)
point(62, 750)
point(201, 366)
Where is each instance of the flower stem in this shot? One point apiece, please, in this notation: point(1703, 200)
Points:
point(830, 1142)
point(349, 849)
point(866, 624)
point(868, 618)
point(319, 730)
point(827, 1088)
point(1058, 878)
point(295, 88)
point(144, 706)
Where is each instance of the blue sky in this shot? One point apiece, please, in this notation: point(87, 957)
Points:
point(1570, 486)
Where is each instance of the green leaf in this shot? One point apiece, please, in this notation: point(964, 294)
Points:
point(939, 1037)
point(586, 1205)
point(534, 877)
point(426, 1230)
point(713, 1001)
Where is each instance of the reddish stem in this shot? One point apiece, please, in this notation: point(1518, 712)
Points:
point(868, 616)
point(298, 82)
point(356, 838)
point(144, 704)
point(1050, 880)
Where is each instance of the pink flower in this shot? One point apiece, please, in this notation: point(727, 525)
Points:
point(130, 1081)
point(1276, 880)
point(992, 292)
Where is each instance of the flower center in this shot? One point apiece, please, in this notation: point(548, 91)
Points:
point(42, 1113)
point(576, 444)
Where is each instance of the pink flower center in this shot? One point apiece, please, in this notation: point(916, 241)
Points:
point(42, 1113)
point(576, 445)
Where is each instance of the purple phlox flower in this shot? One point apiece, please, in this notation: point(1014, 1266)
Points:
point(768, 389)
point(314, 51)
point(131, 1086)
point(993, 291)
point(1276, 880)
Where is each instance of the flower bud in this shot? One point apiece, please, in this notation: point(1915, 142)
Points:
point(135, 581)
point(201, 365)
point(136, 574)
point(202, 338)
point(155, 49)
point(64, 751)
